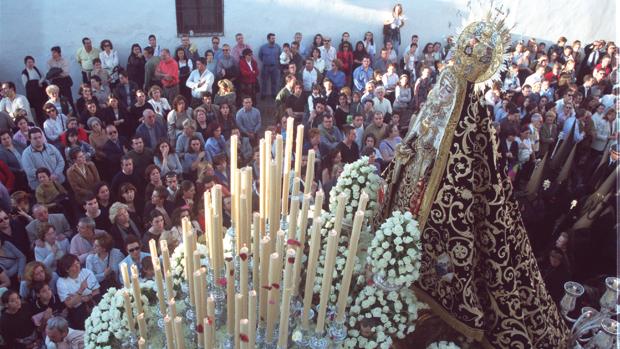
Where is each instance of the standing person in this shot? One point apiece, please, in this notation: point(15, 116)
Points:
point(136, 65)
point(186, 65)
point(32, 79)
point(37, 155)
point(190, 49)
point(269, 54)
point(152, 62)
point(84, 56)
point(12, 102)
point(226, 67)
point(200, 80)
point(345, 55)
point(153, 44)
point(249, 75)
point(168, 72)
point(61, 75)
point(125, 91)
point(109, 61)
point(328, 52)
point(237, 50)
point(362, 75)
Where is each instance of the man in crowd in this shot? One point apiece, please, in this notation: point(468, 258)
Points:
point(92, 211)
point(84, 56)
point(127, 175)
point(200, 80)
point(269, 54)
point(151, 130)
point(168, 71)
point(125, 91)
point(362, 75)
point(348, 147)
point(152, 62)
point(13, 101)
point(41, 215)
point(60, 336)
point(377, 128)
point(227, 67)
point(330, 134)
point(39, 154)
point(82, 242)
point(190, 49)
point(238, 49)
point(249, 120)
point(141, 155)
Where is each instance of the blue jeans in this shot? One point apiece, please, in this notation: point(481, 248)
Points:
point(270, 72)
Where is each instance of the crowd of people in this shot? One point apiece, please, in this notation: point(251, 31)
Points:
point(132, 155)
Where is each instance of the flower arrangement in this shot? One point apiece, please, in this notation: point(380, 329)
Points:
point(106, 327)
point(394, 252)
point(356, 177)
point(178, 263)
point(377, 315)
point(443, 345)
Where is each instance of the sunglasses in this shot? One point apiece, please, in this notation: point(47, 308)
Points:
point(134, 249)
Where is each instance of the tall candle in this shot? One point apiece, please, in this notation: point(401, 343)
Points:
point(279, 162)
point(129, 311)
point(172, 308)
point(275, 275)
point(169, 286)
point(153, 250)
point(286, 298)
point(161, 294)
point(280, 242)
point(266, 164)
point(315, 248)
point(318, 204)
point(169, 330)
point(208, 227)
point(265, 251)
point(299, 143)
point(179, 336)
point(197, 290)
point(142, 325)
point(210, 330)
point(293, 219)
point(274, 218)
point(244, 337)
point(349, 266)
point(242, 232)
point(125, 275)
point(255, 250)
point(135, 283)
point(326, 283)
point(141, 343)
point(309, 172)
point(230, 297)
point(233, 178)
point(188, 257)
point(243, 278)
point(165, 256)
point(252, 301)
point(262, 180)
point(285, 192)
point(237, 209)
point(238, 308)
point(303, 224)
point(207, 326)
point(342, 199)
point(288, 149)
point(363, 201)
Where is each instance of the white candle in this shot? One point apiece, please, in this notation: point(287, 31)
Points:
point(342, 199)
point(243, 279)
point(125, 275)
point(210, 329)
point(350, 264)
point(318, 204)
point(326, 283)
point(265, 251)
point(129, 311)
point(299, 143)
point(256, 250)
point(172, 308)
point(230, 297)
point(315, 248)
point(169, 330)
point(244, 328)
point(199, 313)
point(153, 250)
point(238, 308)
point(142, 325)
point(252, 301)
point(161, 294)
point(135, 283)
point(169, 286)
point(141, 343)
point(274, 219)
point(286, 298)
point(302, 241)
point(179, 336)
point(275, 275)
point(309, 172)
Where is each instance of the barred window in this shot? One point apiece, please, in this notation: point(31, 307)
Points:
point(200, 17)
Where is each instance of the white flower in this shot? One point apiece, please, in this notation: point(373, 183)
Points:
point(546, 184)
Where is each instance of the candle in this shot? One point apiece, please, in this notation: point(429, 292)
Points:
point(153, 250)
point(130, 321)
point(275, 275)
point(142, 325)
point(165, 256)
point(350, 264)
point(238, 308)
point(286, 298)
point(125, 275)
point(243, 278)
point(169, 286)
point(237, 209)
point(266, 164)
point(309, 172)
point(315, 248)
point(318, 204)
point(363, 201)
point(208, 327)
point(326, 283)
point(172, 308)
point(169, 330)
point(230, 297)
point(265, 251)
point(262, 180)
point(159, 282)
point(252, 301)
point(279, 162)
point(242, 232)
point(141, 343)
point(136, 290)
point(197, 290)
point(208, 227)
point(255, 250)
point(188, 257)
point(342, 199)
point(280, 242)
point(244, 338)
point(302, 241)
point(179, 336)
point(274, 219)
point(211, 320)
point(299, 143)
point(233, 178)
point(285, 191)
point(293, 218)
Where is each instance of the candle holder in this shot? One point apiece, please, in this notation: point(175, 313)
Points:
point(609, 299)
point(605, 336)
point(297, 307)
point(318, 341)
point(567, 304)
point(274, 340)
point(301, 336)
point(260, 334)
point(131, 341)
point(228, 342)
point(337, 332)
point(385, 285)
point(284, 224)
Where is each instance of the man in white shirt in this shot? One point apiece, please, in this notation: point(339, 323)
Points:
point(60, 336)
point(12, 101)
point(55, 124)
point(310, 76)
point(200, 80)
point(381, 103)
point(536, 77)
point(328, 52)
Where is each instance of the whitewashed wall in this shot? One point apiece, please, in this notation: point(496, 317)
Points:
point(32, 27)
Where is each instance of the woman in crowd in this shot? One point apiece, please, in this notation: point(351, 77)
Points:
point(216, 144)
point(102, 193)
point(158, 227)
point(86, 95)
point(194, 156)
point(345, 55)
point(77, 288)
point(153, 175)
point(200, 115)
point(370, 141)
point(104, 263)
point(189, 131)
point(82, 175)
point(319, 63)
point(181, 112)
point(388, 145)
point(358, 54)
point(51, 248)
point(394, 24)
point(127, 195)
point(99, 91)
point(166, 159)
point(369, 44)
point(136, 111)
point(73, 142)
point(97, 138)
point(16, 324)
point(212, 111)
point(47, 303)
point(159, 201)
point(36, 272)
point(117, 116)
point(210, 62)
point(226, 119)
point(403, 95)
point(174, 236)
point(343, 111)
point(33, 82)
point(332, 159)
point(50, 192)
point(159, 104)
point(390, 80)
point(135, 65)
point(186, 65)
point(226, 94)
point(60, 102)
point(186, 195)
point(316, 43)
point(109, 61)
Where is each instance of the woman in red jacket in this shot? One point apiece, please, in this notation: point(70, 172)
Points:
point(248, 80)
point(345, 55)
point(6, 176)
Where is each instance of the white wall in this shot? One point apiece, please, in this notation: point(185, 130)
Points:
point(32, 27)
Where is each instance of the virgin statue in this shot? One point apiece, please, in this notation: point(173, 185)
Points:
point(478, 274)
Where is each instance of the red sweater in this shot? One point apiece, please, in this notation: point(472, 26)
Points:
point(248, 76)
point(347, 61)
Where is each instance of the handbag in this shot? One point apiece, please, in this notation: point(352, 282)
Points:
point(109, 280)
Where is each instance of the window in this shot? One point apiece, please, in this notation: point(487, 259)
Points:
point(200, 17)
